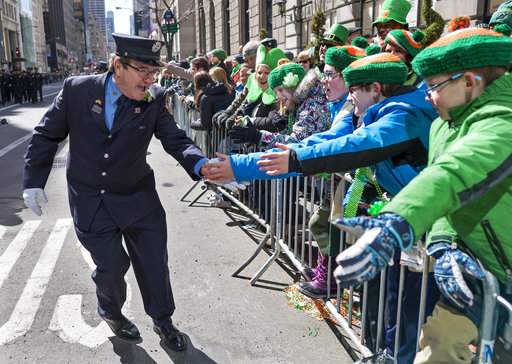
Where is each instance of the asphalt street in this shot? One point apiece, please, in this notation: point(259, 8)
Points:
point(48, 302)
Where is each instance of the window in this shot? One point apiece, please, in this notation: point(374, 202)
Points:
point(212, 26)
point(226, 27)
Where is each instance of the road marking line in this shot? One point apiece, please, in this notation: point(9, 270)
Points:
point(67, 321)
point(14, 105)
point(16, 247)
point(2, 231)
point(14, 144)
point(67, 318)
point(24, 312)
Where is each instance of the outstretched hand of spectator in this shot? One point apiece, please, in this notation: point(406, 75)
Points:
point(276, 162)
point(219, 169)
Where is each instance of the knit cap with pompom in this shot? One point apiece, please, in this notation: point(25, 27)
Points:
point(360, 42)
point(341, 57)
point(288, 75)
point(409, 42)
point(384, 68)
point(464, 49)
point(504, 29)
point(372, 49)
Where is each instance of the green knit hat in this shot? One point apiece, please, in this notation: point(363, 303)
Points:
point(219, 53)
point(288, 75)
point(269, 58)
point(409, 42)
point(464, 49)
point(336, 35)
point(360, 42)
point(396, 10)
point(503, 15)
point(341, 57)
point(384, 68)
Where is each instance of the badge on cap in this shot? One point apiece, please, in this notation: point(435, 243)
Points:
point(156, 47)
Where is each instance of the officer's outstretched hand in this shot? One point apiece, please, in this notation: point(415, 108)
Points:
point(374, 249)
point(33, 198)
point(218, 170)
point(448, 268)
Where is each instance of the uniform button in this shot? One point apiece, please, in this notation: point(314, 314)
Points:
point(103, 174)
point(105, 155)
point(110, 136)
point(102, 192)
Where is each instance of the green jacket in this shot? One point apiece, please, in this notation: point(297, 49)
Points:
point(465, 193)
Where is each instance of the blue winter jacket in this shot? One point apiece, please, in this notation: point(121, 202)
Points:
point(394, 140)
point(245, 167)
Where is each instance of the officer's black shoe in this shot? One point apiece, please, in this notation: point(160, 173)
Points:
point(123, 329)
point(171, 336)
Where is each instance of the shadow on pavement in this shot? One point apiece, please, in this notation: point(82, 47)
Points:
point(129, 353)
point(189, 356)
point(9, 208)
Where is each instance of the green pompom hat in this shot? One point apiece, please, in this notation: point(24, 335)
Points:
point(464, 49)
point(396, 10)
point(384, 68)
point(409, 42)
point(360, 42)
point(336, 35)
point(219, 53)
point(269, 58)
point(341, 57)
point(288, 75)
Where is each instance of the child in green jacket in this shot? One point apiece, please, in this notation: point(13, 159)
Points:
point(464, 196)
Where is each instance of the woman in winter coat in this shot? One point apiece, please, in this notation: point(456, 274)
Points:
point(210, 97)
point(303, 97)
point(260, 108)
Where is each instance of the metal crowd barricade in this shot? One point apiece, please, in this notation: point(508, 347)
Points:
point(283, 207)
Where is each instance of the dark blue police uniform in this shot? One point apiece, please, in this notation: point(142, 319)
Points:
point(111, 187)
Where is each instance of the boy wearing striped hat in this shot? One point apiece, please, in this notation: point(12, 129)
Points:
point(405, 45)
point(463, 197)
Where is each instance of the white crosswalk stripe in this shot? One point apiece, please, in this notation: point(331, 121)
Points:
point(26, 308)
point(67, 321)
point(14, 250)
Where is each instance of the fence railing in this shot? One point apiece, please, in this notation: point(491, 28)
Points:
point(282, 207)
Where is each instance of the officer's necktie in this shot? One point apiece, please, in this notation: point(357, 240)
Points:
point(121, 103)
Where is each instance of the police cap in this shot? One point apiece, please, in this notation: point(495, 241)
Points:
point(144, 50)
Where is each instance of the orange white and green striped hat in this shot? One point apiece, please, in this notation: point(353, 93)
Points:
point(409, 42)
point(384, 68)
point(341, 57)
point(464, 49)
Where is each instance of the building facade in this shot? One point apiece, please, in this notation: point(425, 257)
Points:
point(111, 47)
point(12, 46)
point(231, 23)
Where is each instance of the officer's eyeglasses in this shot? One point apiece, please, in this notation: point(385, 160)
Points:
point(429, 91)
point(145, 73)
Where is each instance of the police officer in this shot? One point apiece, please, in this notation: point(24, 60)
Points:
point(110, 119)
point(38, 85)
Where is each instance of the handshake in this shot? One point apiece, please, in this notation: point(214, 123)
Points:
point(218, 170)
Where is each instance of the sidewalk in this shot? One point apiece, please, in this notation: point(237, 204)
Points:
point(226, 318)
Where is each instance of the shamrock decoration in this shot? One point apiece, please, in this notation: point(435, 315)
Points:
point(148, 95)
point(291, 80)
